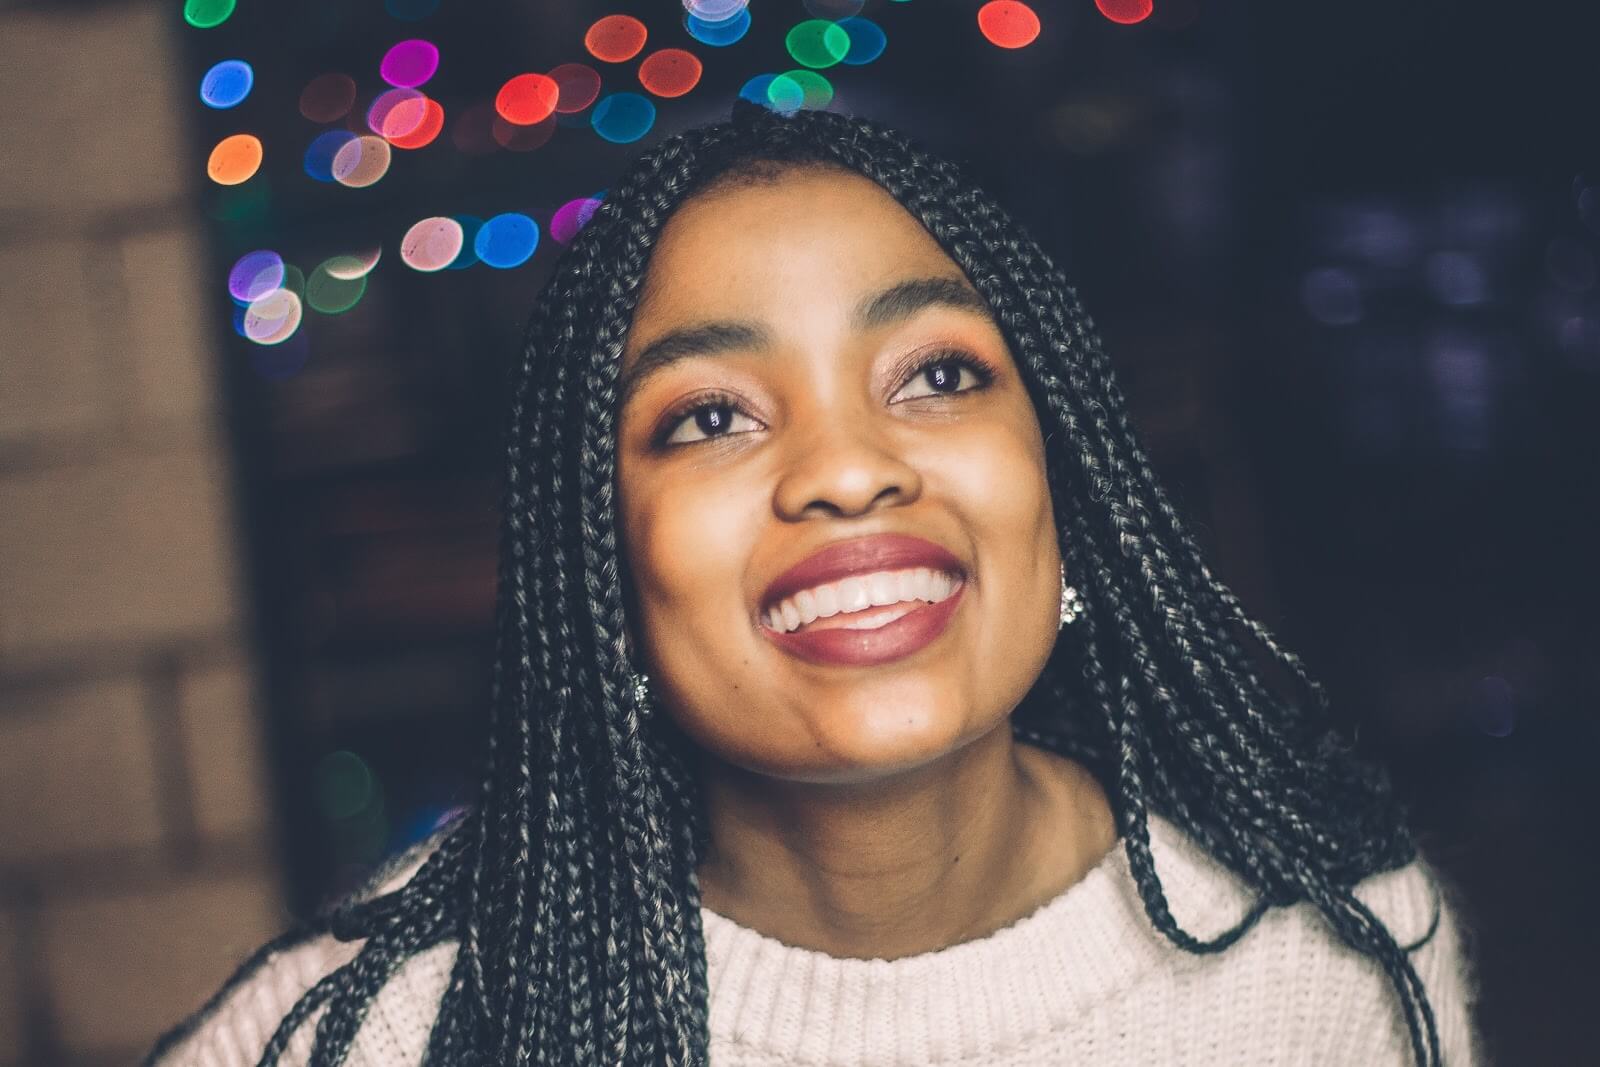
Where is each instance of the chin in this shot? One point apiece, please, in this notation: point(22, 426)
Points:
point(854, 745)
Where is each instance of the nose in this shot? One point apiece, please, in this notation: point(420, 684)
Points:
point(844, 464)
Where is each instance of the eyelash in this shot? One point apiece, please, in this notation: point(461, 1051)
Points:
point(980, 370)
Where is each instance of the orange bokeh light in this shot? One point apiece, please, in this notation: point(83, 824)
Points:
point(235, 159)
point(670, 72)
point(615, 38)
point(527, 99)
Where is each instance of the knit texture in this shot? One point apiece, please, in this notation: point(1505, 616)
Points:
point(1084, 978)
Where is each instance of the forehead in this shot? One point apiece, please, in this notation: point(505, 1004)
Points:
point(746, 247)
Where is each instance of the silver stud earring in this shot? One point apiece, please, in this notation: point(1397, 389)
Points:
point(1071, 602)
point(641, 691)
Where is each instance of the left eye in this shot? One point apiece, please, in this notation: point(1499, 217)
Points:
point(938, 372)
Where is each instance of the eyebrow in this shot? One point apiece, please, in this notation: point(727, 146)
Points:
point(895, 304)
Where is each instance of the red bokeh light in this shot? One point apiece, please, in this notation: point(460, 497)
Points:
point(1008, 23)
point(1127, 12)
point(527, 99)
point(579, 85)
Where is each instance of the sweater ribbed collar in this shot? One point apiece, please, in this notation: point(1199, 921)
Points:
point(971, 1000)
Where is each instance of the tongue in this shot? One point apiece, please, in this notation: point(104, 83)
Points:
point(878, 614)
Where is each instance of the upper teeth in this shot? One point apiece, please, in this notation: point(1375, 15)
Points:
point(858, 592)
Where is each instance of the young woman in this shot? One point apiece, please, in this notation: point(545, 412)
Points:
point(860, 697)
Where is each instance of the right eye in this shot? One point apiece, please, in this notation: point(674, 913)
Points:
point(711, 415)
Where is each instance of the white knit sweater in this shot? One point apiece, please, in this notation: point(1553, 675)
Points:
point(1084, 979)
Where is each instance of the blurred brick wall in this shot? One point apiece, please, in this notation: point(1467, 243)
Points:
point(135, 859)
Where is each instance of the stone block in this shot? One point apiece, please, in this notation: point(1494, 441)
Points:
point(226, 751)
point(131, 550)
point(97, 111)
point(123, 967)
point(11, 1035)
point(77, 772)
point(162, 338)
point(52, 373)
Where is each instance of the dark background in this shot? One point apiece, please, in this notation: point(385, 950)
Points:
point(1344, 258)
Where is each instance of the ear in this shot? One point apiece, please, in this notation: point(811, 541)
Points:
point(630, 644)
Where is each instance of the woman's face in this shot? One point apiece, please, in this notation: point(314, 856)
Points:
point(781, 410)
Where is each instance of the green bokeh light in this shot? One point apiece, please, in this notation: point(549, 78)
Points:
point(800, 89)
point(204, 14)
point(818, 43)
point(330, 294)
point(345, 785)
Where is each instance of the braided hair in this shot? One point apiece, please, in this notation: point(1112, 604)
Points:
point(570, 885)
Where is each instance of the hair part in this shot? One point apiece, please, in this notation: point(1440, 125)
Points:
point(571, 885)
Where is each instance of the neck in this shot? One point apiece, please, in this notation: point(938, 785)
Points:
point(907, 863)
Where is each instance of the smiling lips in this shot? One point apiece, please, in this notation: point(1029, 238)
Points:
point(825, 605)
point(822, 608)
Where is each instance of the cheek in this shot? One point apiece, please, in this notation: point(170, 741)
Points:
point(993, 473)
point(694, 538)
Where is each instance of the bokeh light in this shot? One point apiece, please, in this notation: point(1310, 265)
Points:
point(817, 43)
point(345, 785)
point(204, 14)
point(1008, 23)
point(834, 10)
point(715, 10)
point(328, 97)
point(1332, 296)
point(577, 86)
point(331, 294)
point(294, 280)
point(397, 112)
point(427, 130)
point(227, 83)
point(571, 217)
point(322, 150)
point(273, 318)
point(615, 38)
point(255, 274)
point(516, 138)
point(799, 89)
point(507, 240)
point(432, 244)
point(410, 10)
point(409, 63)
point(1126, 12)
point(670, 72)
point(354, 265)
point(867, 41)
point(623, 117)
point(527, 99)
point(718, 34)
point(755, 90)
point(361, 162)
point(1570, 265)
point(235, 159)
